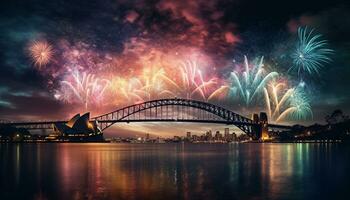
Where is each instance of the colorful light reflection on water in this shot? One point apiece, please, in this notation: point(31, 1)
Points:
point(174, 171)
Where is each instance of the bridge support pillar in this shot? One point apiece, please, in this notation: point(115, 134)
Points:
point(260, 130)
point(256, 132)
point(264, 126)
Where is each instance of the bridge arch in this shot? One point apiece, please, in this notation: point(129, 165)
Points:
point(129, 114)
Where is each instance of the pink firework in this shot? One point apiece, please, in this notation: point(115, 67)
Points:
point(193, 82)
point(83, 88)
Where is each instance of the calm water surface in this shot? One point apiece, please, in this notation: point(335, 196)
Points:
point(174, 171)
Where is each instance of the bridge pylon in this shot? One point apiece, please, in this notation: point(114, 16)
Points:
point(260, 129)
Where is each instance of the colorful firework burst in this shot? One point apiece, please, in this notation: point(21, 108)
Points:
point(152, 84)
point(83, 88)
point(156, 83)
point(193, 83)
point(129, 90)
point(311, 53)
point(284, 103)
point(41, 52)
point(249, 84)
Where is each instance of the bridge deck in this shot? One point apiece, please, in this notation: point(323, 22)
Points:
point(49, 124)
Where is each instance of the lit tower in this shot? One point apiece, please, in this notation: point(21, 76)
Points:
point(264, 126)
point(227, 134)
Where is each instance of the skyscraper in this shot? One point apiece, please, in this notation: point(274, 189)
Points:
point(218, 135)
point(209, 135)
point(234, 136)
point(227, 134)
point(188, 135)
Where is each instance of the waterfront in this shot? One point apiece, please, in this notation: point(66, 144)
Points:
point(174, 171)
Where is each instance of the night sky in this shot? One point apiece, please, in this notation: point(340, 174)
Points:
point(120, 38)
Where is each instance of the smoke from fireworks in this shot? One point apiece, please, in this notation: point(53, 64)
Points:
point(41, 52)
point(249, 84)
point(311, 52)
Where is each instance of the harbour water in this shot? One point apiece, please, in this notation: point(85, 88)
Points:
point(174, 171)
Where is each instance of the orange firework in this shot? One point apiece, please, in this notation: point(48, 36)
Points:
point(41, 52)
point(156, 83)
point(127, 89)
point(151, 84)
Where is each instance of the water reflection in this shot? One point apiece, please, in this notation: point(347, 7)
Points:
point(173, 171)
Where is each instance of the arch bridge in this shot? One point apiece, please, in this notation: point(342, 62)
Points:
point(171, 110)
point(182, 110)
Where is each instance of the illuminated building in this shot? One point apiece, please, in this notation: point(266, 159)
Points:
point(218, 135)
point(227, 134)
point(234, 136)
point(209, 135)
point(264, 126)
point(261, 132)
point(79, 128)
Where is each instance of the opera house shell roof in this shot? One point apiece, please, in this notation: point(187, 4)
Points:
point(78, 125)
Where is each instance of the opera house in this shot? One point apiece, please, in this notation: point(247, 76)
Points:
point(79, 128)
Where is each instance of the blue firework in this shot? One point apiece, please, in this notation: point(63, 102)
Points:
point(249, 84)
point(311, 53)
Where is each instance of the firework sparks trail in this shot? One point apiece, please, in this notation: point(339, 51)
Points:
point(311, 52)
point(283, 103)
point(222, 90)
point(41, 52)
point(156, 82)
point(193, 82)
point(249, 84)
point(85, 88)
point(153, 83)
point(130, 89)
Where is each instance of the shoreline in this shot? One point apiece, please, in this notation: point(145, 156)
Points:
point(222, 143)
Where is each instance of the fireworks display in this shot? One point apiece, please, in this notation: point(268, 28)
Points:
point(283, 103)
point(151, 84)
point(102, 81)
point(83, 88)
point(41, 52)
point(193, 82)
point(155, 82)
point(250, 83)
point(299, 107)
point(311, 52)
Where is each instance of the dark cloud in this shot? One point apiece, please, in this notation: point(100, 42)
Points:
point(32, 106)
